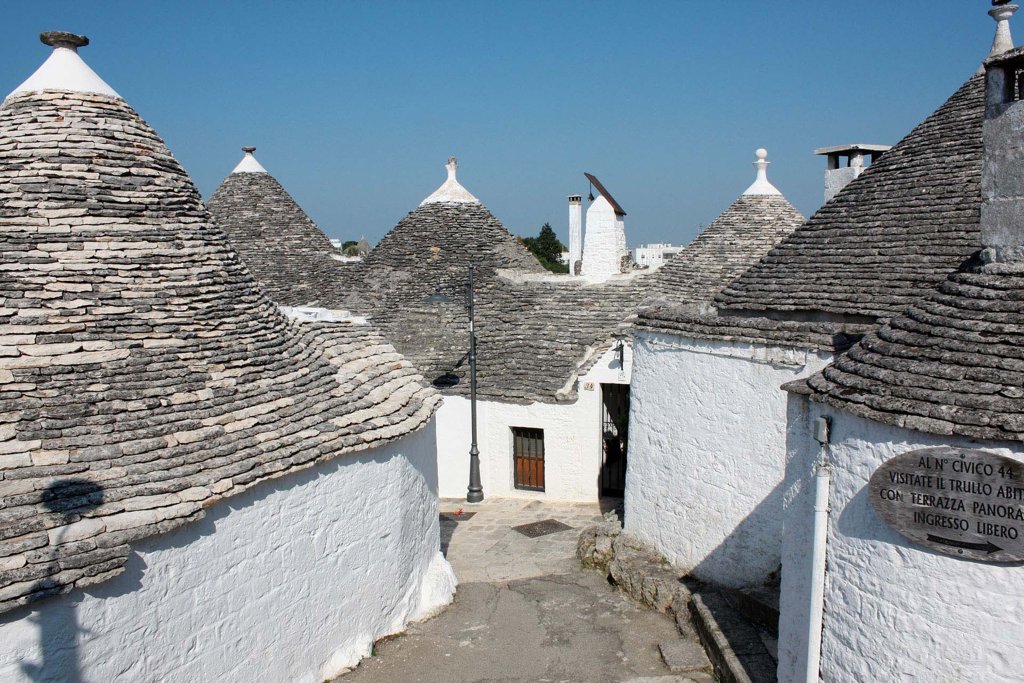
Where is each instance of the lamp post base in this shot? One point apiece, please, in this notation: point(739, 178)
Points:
point(475, 491)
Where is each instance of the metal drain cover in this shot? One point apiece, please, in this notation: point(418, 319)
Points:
point(541, 528)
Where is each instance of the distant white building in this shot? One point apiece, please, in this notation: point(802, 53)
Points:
point(654, 255)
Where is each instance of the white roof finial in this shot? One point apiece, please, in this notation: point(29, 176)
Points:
point(451, 191)
point(248, 164)
point(1001, 11)
point(761, 184)
point(64, 69)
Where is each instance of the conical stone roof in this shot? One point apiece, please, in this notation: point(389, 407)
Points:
point(884, 241)
point(953, 363)
point(890, 235)
point(428, 251)
point(143, 374)
point(287, 253)
point(757, 221)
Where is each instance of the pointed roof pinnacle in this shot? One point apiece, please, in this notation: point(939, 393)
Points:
point(1002, 11)
point(451, 191)
point(761, 186)
point(248, 164)
point(64, 69)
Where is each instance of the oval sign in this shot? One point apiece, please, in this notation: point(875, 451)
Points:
point(958, 501)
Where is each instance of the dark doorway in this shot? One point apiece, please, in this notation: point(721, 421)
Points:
point(615, 437)
point(528, 457)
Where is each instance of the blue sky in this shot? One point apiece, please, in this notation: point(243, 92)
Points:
point(355, 106)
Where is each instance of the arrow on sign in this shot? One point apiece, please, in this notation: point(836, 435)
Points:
point(988, 546)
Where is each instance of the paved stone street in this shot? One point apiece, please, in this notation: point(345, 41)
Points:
point(525, 610)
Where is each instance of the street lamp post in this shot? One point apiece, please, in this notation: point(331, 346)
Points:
point(475, 490)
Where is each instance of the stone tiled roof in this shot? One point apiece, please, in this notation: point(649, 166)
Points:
point(143, 374)
point(535, 337)
point(890, 235)
point(532, 333)
point(734, 241)
point(699, 324)
point(953, 363)
point(291, 258)
point(533, 328)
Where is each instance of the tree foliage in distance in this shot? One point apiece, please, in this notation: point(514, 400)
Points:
point(350, 249)
point(548, 249)
point(349, 243)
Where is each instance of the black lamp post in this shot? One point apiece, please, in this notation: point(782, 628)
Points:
point(475, 491)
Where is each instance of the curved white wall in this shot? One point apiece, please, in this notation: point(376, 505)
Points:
point(572, 439)
point(707, 452)
point(290, 581)
point(894, 611)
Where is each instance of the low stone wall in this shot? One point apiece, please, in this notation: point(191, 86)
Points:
point(639, 570)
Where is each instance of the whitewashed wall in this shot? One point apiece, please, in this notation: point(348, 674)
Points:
point(604, 243)
point(290, 581)
point(895, 611)
point(707, 452)
point(572, 439)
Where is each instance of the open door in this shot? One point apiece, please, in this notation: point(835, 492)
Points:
point(615, 438)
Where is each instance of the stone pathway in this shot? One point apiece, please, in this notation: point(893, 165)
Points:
point(524, 611)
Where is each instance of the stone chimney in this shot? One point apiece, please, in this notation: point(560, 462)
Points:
point(1002, 170)
point(845, 163)
point(575, 233)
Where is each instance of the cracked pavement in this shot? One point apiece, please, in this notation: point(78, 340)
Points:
point(525, 611)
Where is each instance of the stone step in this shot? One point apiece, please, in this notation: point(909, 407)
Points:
point(759, 605)
point(684, 657)
point(735, 646)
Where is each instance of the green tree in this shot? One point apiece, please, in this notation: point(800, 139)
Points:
point(348, 243)
point(548, 249)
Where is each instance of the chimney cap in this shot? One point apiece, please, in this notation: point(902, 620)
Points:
point(846, 149)
point(248, 150)
point(72, 41)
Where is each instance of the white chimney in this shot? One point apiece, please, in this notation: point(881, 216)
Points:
point(845, 163)
point(604, 250)
point(575, 233)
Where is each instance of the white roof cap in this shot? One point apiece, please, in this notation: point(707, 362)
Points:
point(64, 69)
point(1003, 40)
point(761, 184)
point(451, 191)
point(248, 164)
